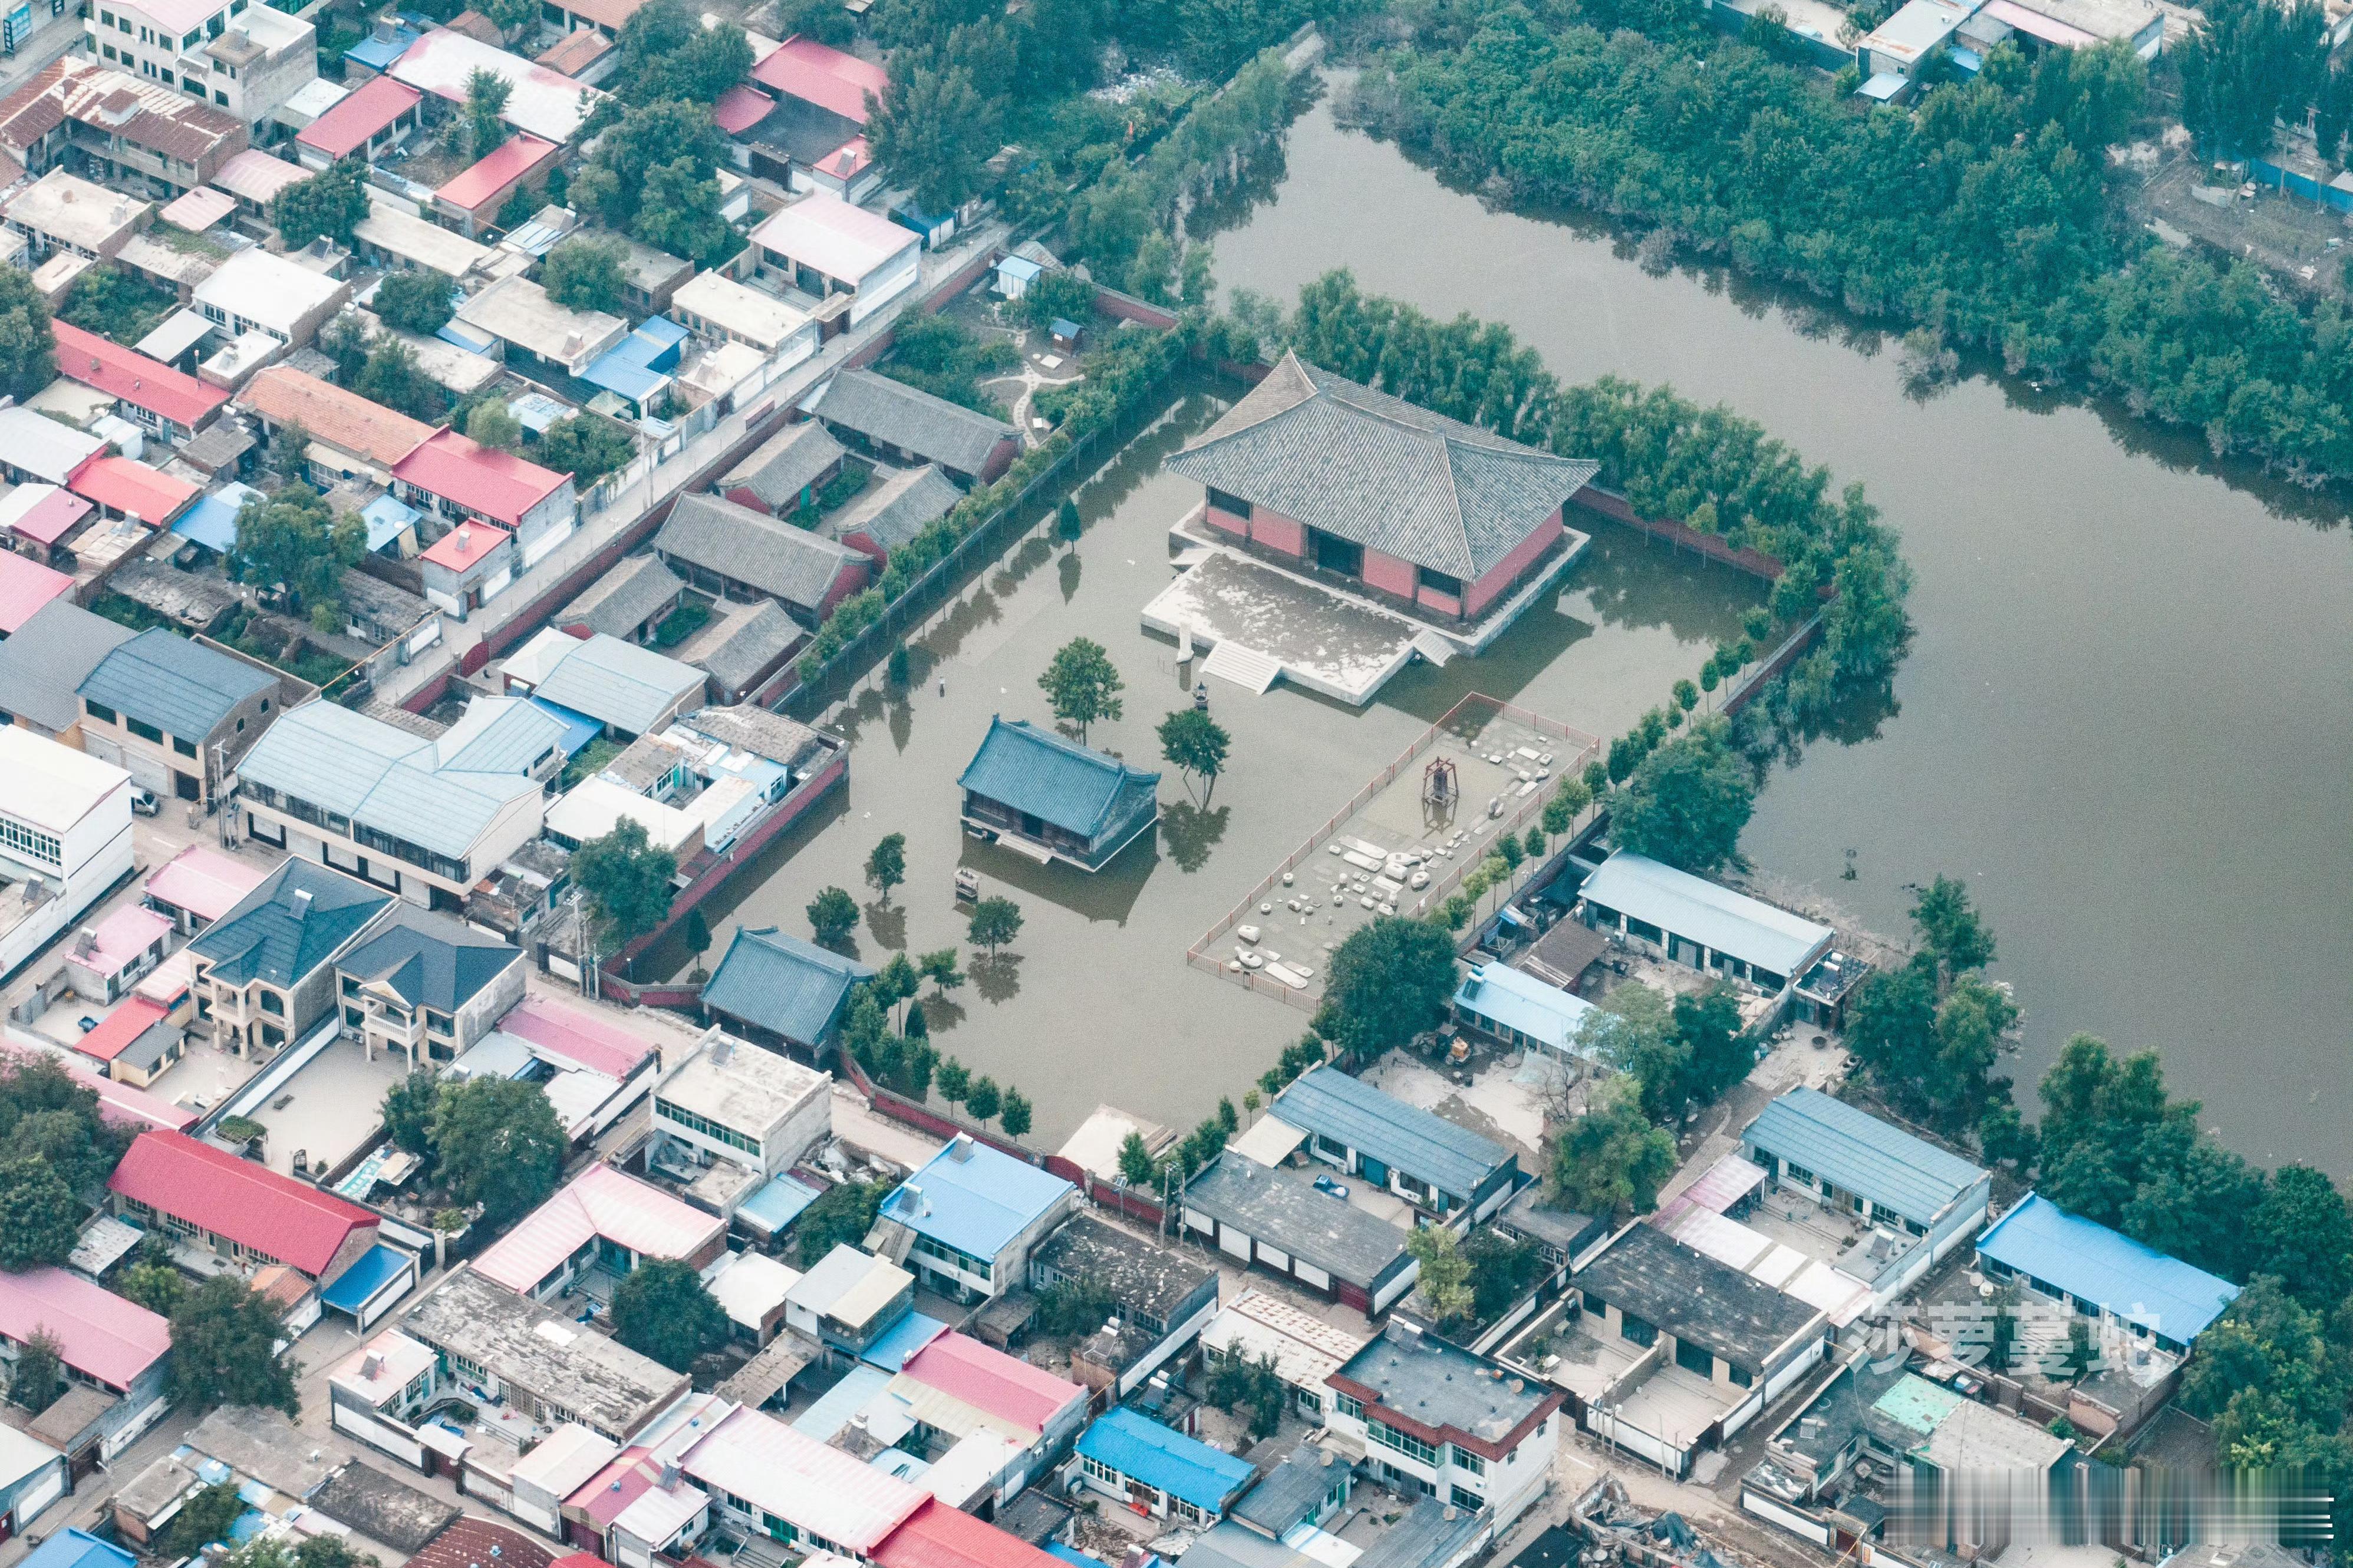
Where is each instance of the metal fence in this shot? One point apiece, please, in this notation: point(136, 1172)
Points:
point(1587, 748)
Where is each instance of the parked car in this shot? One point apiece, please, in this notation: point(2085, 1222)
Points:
point(143, 801)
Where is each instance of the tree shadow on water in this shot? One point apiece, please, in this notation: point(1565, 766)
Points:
point(997, 976)
point(887, 925)
point(1189, 833)
point(940, 1013)
point(1070, 570)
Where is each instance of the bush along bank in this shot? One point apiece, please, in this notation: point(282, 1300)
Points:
point(1986, 216)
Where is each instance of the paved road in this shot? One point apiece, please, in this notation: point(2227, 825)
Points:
point(50, 37)
point(595, 532)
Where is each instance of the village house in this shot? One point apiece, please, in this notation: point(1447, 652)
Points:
point(456, 480)
point(782, 992)
point(65, 838)
point(104, 1343)
point(972, 1216)
point(891, 512)
point(630, 602)
point(731, 1121)
point(42, 670)
point(178, 714)
point(1445, 1171)
point(535, 330)
point(822, 246)
point(1159, 1298)
point(715, 306)
point(377, 117)
point(1518, 1011)
point(769, 1480)
point(904, 424)
point(264, 973)
point(27, 588)
point(425, 985)
point(540, 103)
point(1258, 1326)
point(1703, 925)
point(350, 436)
point(472, 200)
point(161, 401)
point(1159, 1472)
point(397, 242)
point(123, 126)
point(625, 690)
point(786, 473)
point(1425, 1416)
point(256, 291)
point(1053, 799)
point(1255, 1214)
point(850, 1300)
point(734, 551)
point(602, 1224)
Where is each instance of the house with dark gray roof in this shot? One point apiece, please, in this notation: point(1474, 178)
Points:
point(264, 971)
point(782, 992)
point(177, 713)
point(425, 984)
point(1053, 799)
point(901, 423)
point(43, 665)
point(749, 651)
point(1350, 485)
point(1285, 1226)
point(724, 548)
point(1438, 1167)
point(785, 472)
point(627, 602)
point(900, 505)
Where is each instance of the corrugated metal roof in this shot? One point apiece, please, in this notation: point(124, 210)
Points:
point(1407, 1139)
point(781, 983)
point(1856, 1151)
point(1057, 781)
point(620, 683)
point(181, 688)
point(1917, 1404)
point(1182, 1467)
point(1706, 912)
point(2108, 1268)
point(100, 1334)
point(1513, 1000)
point(286, 1219)
point(974, 1197)
point(601, 1202)
point(821, 1489)
point(990, 1381)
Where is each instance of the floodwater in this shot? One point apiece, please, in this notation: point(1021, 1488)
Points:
point(2125, 719)
point(1094, 1003)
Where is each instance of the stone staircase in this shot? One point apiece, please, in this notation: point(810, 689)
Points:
point(1246, 667)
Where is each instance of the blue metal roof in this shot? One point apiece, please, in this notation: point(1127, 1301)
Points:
point(379, 1266)
point(378, 54)
point(1057, 781)
point(1856, 1151)
point(2110, 1269)
point(904, 1339)
point(469, 340)
point(974, 1197)
point(1182, 1467)
point(1071, 1554)
point(1707, 912)
point(639, 366)
point(1510, 999)
point(386, 517)
point(181, 688)
point(1407, 1139)
point(1018, 267)
point(77, 1549)
point(784, 984)
point(212, 521)
point(578, 728)
point(840, 1405)
point(775, 1206)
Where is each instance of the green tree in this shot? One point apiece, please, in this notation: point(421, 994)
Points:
point(664, 1310)
point(293, 539)
point(1445, 1282)
point(698, 938)
point(586, 274)
point(615, 181)
point(390, 377)
point(2247, 68)
point(933, 133)
point(2272, 1379)
point(37, 1377)
point(984, 1101)
point(223, 1350)
point(1634, 1031)
point(202, 1520)
point(47, 1117)
point(1136, 1166)
point(1068, 525)
point(832, 915)
point(886, 865)
point(840, 1216)
point(330, 204)
point(939, 967)
point(486, 100)
point(327, 1550)
point(625, 881)
point(955, 1082)
point(896, 982)
point(1950, 927)
point(493, 424)
point(499, 1144)
point(28, 341)
point(416, 301)
point(157, 1286)
point(587, 447)
point(1389, 981)
point(408, 1108)
point(995, 921)
point(1194, 742)
point(667, 54)
point(1081, 684)
point(1709, 1026)
point(1686, 803)
point(1501, 1271)
point(945, 358)
point(1014, 1113)
point(509, 16)
point(39, 1220)
point(1611, 1159)
point(2302, 1233)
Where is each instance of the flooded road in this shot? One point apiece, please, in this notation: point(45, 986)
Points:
point(1099, 1006)
point(2125, 720)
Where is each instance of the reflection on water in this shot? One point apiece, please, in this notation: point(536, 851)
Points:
point(2122, 720)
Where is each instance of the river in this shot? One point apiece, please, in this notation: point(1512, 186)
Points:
point(2125, 719)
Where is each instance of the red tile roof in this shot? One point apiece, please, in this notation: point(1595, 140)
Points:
point(471, 1541)
point(484, 480)
point(990, 1381)
point(211, 1188)
point(133, 378)
point(804, 69)
point(25, 587)
point(118, 1029)
point(343, 420)
point(125, 486)
point(465, 545)
point(740, 108)
point(580, 48)
point(98, 1333)
point(938, 1536)
point(489, 179)
point(346, 128)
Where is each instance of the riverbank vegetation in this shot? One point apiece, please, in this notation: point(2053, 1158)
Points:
point(1986, 216)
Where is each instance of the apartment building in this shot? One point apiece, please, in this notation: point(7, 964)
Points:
point(236, 54)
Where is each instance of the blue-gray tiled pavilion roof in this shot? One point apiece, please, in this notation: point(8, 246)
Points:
point(781, 983)
point(289, 925)
point(1057, 781)
point(881, 409)
point(1380, 472)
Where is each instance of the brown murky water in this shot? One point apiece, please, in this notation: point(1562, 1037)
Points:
point(1098, 1004)
point(2125, 718)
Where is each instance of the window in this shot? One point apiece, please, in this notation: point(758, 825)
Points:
point(106, 18)
point(1469, 1501)
point(1226, 501)
point(1348, 1404)
point(1103, 1472)
point(1464, 1460)
point(99, 711)
point(193, 39)
point(1696, 1360)
point(271, 1002)
point(1797, 1173)
point(1636, 1330)
point(1439, 582)
point(1741, 1376)
point(186, 748)
point(1644, 930)
point(1403, 1442)
point(107, 49)
point(222, 98)
point(167, 78)
point(670, 1110)
point(31, 842)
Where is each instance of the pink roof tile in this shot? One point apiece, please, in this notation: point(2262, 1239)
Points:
point(601, 1202)
point(121, 485)
point(465, 545)
point(256, 176)
point(804, 69)
point(118, 1029)
point(25, 587)
point(740, 108)
point(52, 517)
point(98, 1333)
point(992, 1382)
point(133, 378)
point(578, 1037)
point(489, 179)
point(486, 481)
point(119, 939)
point(346, 128)
point(939, 1536)
point(277, 1215)
point(205, 882)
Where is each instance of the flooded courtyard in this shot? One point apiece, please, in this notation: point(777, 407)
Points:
point(1094, 1001)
